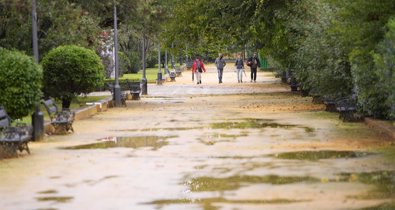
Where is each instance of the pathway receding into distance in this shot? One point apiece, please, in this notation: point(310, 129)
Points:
point(210, 147)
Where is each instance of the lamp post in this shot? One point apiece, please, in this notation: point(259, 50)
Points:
point(166, 66)
point(34, 31)
point(37, 116)
point(172, 57)
point(144, 79)
point(117, 88)
point(159, 81)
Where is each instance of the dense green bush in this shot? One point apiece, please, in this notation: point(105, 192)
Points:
point(20, 83)
point(70, 71)
point(124, 63)
point(135, 62)
point(385, 69)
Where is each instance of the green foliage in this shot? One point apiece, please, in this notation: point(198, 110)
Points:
point(135, 62)
point(362, 28)
point(321, 61)
point(384, 60)
point(59, 23)
point(20, 83)
point(124, 63)
point(70, 71)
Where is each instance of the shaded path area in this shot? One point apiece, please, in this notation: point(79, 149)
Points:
point(210, 146)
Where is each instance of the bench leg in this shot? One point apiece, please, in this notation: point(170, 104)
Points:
point(24, 146)
point(349, 116)
point(135, 96)
point(9, 149)
point(60, 129)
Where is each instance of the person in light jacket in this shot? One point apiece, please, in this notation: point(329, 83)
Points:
point(240, 68)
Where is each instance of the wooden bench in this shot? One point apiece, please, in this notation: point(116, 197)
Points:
point(293, 83)
point(61, 120)
point(135, 89)
point(347, 108)
point(172, 76)
point(330, 104)
point(13, 138)
point(124, 96)
point(178, 72)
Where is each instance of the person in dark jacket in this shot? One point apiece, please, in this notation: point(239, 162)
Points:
point(220, 63)
point(253, 63)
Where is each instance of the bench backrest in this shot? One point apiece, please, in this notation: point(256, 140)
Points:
point(5, 120)
point(134, 86)
point(51, 107)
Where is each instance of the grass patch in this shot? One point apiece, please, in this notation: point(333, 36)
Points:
point(151, 75)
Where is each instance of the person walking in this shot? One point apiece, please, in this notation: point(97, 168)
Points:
point(253, 63)
point(198, 69)
point(240, 68)
point(220, 63)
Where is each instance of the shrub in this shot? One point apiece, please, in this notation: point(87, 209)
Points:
point(20, 83)
point(70, 71)
point(135, 62)
point(384, 62)
point(124, 63)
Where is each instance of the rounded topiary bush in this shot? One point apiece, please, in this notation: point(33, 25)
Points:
point(20, 83)
point(70, 71)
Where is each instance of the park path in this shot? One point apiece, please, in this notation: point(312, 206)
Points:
point(211, 147)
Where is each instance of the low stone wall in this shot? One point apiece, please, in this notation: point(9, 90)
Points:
point(84, 113)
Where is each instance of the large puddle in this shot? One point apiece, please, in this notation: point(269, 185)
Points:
point(155, 142)
point(249, 123)
point(318, 155)
point(384, 182)
point(202, 184)
point(210, 203)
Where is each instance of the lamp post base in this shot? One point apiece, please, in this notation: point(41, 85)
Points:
point(144, 90)
point(117, 96)
point(159, 80)
point(38, 124)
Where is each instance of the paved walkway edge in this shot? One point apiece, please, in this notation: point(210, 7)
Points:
point(381, 126)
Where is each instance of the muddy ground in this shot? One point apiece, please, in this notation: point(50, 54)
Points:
point(211, 147)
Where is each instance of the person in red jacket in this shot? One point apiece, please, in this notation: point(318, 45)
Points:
point(198, 69)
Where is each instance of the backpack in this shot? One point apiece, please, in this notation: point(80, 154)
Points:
point(198, 66)
point(249, 62)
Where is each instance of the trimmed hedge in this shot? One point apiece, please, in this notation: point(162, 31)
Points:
point(20, 83)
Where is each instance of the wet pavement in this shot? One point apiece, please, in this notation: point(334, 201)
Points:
point(206, 147)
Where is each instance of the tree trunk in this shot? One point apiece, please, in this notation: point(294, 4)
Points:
point(66, 103)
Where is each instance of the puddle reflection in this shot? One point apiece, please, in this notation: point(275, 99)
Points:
point(318, 155)
point(202, 184)
point(135, 142)
point(249, 123)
